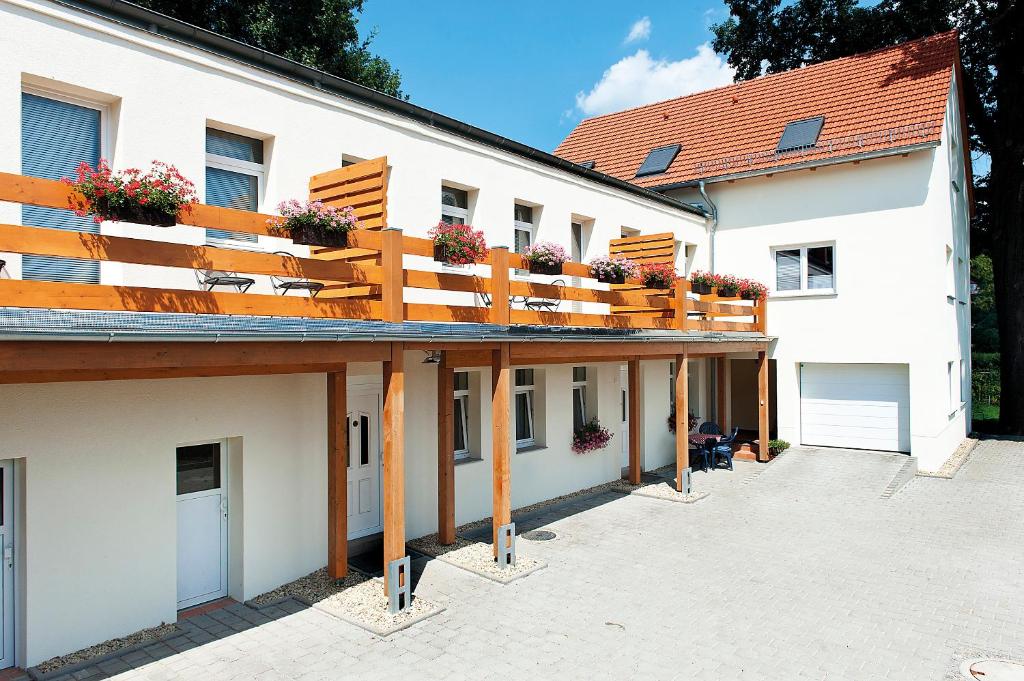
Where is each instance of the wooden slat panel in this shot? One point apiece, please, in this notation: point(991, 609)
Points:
point(646, 248)
point(446, 282)
point(414, 245)
point(581, 319)
point(705, 325)
point(587, 295)
point(446, 313)
point(46, 294)
point(721, 309)
point(42, 241)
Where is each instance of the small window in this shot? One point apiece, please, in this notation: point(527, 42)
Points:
point(234, 178)
point(524, 228)
point(808, 268)
point(198, 468)
point(524, 388)
point(953, 377)
point(579, 397)
point(461, 416)
point(454, 205)
point(658, 160)
point(801, 134)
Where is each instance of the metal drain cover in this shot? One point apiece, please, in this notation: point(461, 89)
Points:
point(994, 670)
point(538, 535)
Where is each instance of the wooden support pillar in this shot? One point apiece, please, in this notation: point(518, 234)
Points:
point(720, 411)
point(337, 473)
point(500, 312)
point(501, 439)
point(445, 451)
point(762, 406)
point(394, 457)
point(680, 303)
point(682, 418)
point(391, 290)
point(633, 399)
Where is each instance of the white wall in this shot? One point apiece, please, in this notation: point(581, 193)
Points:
point(306, 131)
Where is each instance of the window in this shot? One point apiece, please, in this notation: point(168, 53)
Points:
point(800, 134)
point(198, 468)
point(953, 376)
point(454, 206)
point(806, 268)
point(658, 160)
point(579, 397)
point(524, 408)
point(523, 227)
point(56, 135)
point(461, 415)
point(234, 178)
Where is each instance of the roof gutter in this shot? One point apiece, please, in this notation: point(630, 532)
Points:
point(143, 19)
point(714, 221)
point(864, 156)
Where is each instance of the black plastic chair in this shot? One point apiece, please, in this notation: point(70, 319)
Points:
point(709, 428)
point(723, 449)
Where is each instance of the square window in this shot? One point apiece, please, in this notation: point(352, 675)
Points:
point(198, 468)
point(806, 268)
point(579, 374)
point(454, 205)
point(524, 377)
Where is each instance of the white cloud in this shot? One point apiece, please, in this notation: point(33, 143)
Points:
point(639, 79)
point(640, 30)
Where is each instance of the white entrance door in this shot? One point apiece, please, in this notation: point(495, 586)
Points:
point(202, 523)
point(862, 406)
point(623, 388)
point(7, 569)
point(364, 516)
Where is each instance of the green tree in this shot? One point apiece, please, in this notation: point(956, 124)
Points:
point(317, 33)
point(761, 36)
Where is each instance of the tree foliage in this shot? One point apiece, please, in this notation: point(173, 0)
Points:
point(762, 36)
point(318, 33)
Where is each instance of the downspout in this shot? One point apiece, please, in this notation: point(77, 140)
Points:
point(714, 221)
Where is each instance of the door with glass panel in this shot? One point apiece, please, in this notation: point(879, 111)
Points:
point(202, 502)
point(624, 405)
point(364, 515)
point(7, 570)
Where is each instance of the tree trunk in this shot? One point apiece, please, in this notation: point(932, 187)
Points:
point(1007, 204)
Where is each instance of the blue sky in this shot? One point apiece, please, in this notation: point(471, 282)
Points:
point(531, 70)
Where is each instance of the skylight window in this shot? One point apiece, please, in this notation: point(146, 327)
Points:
point(658, 160)
point(801, 134)
point(589, 165)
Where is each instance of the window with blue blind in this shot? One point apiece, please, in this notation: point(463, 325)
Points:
point(55, 137)
point(234, 171)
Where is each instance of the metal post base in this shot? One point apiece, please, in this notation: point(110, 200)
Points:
point(507, 545)
point(685, 482)
point(399, 585)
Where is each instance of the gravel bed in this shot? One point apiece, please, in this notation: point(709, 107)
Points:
point(476, 557)
point(314, 587)
point(114, 645)
point(661, 490)
point(954, 462)
point(366, 606)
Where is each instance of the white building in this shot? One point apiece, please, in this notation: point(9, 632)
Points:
point(149, 465)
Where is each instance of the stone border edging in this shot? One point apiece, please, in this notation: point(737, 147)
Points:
point(36, 675)
point(539, 566)
point(956, 460)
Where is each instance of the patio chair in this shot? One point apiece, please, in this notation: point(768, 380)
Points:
point(546, 304)
point(709, 428)
point(211, 278)
point(702, 452)
point(284, 283)
point(723, 449)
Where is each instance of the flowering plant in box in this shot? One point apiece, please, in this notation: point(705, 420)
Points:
point(153, 198)
point(752, 290)
point(658, 275)
point(728, 285)
point(312, 222)
point(590, 437)
point(701, 281)
point(458, 244)
point(612, 270)
point(545, 257)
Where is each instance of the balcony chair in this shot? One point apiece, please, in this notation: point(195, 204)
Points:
point(546, 304)
point(284, 283)
point(723, 449)
point(211, 278)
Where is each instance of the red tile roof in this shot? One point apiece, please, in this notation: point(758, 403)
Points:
point(886, 99)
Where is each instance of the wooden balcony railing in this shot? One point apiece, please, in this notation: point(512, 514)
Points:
point(366, 288)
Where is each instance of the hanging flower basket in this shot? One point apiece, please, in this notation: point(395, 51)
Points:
point(545, 257)
point(153, 198)
point(691, 421)
point(458, 244)
point(612, 270)
point(314, 224)
point(591, 437)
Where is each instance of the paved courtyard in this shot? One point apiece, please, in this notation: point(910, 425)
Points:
point(797, 570)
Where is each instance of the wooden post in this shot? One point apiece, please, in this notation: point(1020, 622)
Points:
point(761, 311)
point(762, 408)
point(720, 414)
point(682, 419)
point(445, 452)
point(680, 304)
point(633, 397)
point(337, 474)
point(394, 457)
point(501, 440)
point(499, 285)
point(392, 305)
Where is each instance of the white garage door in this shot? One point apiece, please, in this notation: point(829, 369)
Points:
point(863, 406)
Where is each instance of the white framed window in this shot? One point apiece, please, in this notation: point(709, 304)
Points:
point(579, 397)
point(523, 397)
point(953, 376)
point(523, 230)
point(808, 270)
point(460, 440)
point(235, 177)
point(454, 205)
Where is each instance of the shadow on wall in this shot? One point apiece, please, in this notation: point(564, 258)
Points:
point(744, 395)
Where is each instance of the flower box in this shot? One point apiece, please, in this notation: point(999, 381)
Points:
point(701, 282)
point(611, 277)
point(441, 254)
point(458, 244)
point(700, 288)
point(612, 270)
point(135, 213)
point(658, 275)
point(544, 267)
point(545, 257)
point(312, 223)
point(152, 198)
point(312, 236)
